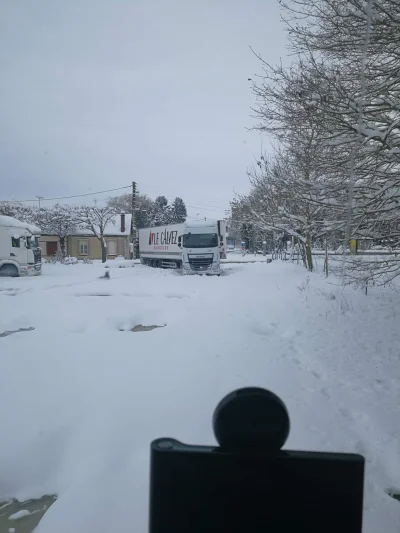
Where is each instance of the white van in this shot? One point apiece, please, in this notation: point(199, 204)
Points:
point(20, 254)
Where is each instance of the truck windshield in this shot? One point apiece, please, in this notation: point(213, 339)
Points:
point(200, 240)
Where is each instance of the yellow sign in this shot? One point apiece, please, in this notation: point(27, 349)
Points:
point(353, 246)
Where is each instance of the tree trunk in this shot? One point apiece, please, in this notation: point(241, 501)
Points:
point(308, 253)
point(103, 248)
point(103, 251)
point(303, 253)
point(62, 246)
point(326, 257)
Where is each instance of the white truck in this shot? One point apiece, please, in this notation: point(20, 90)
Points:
point(196, 247)
point(20, 254)
point(230, 243)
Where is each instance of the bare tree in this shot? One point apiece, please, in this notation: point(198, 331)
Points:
point(95, 219)
point(20, 211)
point(335, 113)
point(144, 208)
point(59, 220)
point(359, 38)
point(303, 176)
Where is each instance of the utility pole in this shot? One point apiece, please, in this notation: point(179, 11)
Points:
point(39, 198)
point(133, 221)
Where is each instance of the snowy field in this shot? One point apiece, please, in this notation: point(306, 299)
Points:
point(82, 395)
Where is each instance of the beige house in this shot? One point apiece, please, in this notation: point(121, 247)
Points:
point(50, 245)
point(85, 245)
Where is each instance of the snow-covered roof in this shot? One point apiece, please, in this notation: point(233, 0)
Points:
point(12, 222)
point(112, 228)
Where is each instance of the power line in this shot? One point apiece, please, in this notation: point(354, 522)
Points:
point(68, 197)
point(204, 208)
point(207, 207)
point(194, 203)
point(88, 194)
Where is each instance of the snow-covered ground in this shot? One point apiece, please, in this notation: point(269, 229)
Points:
point(82, 396)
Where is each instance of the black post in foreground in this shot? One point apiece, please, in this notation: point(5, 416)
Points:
point(248, 484)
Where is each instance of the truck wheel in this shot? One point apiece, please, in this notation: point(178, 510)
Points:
point(9, 271)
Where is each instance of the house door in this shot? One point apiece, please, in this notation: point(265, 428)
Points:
point(51, 248)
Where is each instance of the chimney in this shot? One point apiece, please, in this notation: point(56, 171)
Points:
point(122, 222)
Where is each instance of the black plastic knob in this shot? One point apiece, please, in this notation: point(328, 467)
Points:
point(251, 417)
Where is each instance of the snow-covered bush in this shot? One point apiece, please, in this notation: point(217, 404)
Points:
point(119, 262)
point(70, 260)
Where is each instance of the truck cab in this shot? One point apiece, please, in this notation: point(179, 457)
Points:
point(202, 246)
point(20, 254)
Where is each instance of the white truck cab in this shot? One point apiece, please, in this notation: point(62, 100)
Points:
point(20, 254)
point(196, 247)
point(203, 244)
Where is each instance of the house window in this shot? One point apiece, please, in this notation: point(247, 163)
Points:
point(83, 247)
point(111, 247)
point(15, 243)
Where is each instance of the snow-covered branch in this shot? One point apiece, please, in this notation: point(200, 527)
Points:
point(95, 219)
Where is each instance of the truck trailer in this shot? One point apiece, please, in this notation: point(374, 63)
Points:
point(20, 254)
point(196, 247)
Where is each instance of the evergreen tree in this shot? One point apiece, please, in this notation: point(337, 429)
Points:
point(160, 211)
point(177, 211)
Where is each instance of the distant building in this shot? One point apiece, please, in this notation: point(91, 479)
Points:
point(84, 245)
point(50, 245)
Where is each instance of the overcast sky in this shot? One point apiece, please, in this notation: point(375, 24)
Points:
point(97, 93)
